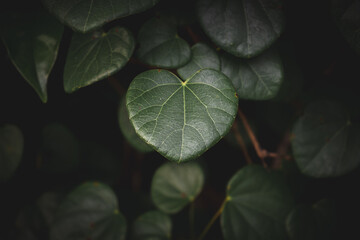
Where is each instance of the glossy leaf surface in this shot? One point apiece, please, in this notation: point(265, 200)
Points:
point(32, 42)
point(86, 15)
point(181, 120)
point(11, 149)
point(128, 130)
point(202, 57)
point(153, 225)
point(325, 142)
point(257, 205)
point(258, 78)
point(97, 55)
point(160, 46)
point(89, 212)
point(243, 28)
point(175, 185)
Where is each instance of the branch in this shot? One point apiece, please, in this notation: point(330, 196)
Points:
point(116, 85)
point(241, 142)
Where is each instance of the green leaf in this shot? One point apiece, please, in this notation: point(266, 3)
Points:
point(60, 149)
point(243, 28)
point(89, 212)
point(128, 130)
point(325, 142)
point(315, 222)
point(258, 78)
point(175, 185)
point(257, 204)
point(95, 56)
point(202, 57)
point(160, 46)
point(32, 41)
point(346, 14)
point(11, 149)
point(86, 15)
point(153, 225)
point(181, 120)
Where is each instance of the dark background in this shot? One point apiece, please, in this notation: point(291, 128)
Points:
point(329, 68)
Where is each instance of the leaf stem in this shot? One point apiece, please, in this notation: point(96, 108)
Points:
point(213, 219)
point(241, 142)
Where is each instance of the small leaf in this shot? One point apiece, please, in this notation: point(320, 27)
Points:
point(258, 78)
point(315, 222)
point(202, 57)
point(160, 45)
point(32, 41)
point(89, 212)
point(11, 149)
point(325, 142)
point(257, 205)
point(175, 185)
point(181, 120)
point(60, 149)
point(86, 15)
point(152, 225)
point(128, 130)
point(95, 56)
point(243, 28)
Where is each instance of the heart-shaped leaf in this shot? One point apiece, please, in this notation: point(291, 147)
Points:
point(243, 28)
point(32, 41)
point(257, 205)
point(152, 225)
point(60, 149)
point(202, 57)
point(86, 15)
point(258, 78)
point(315, 222)
point(175, 185)
point(97, 55)
point(160, 46)
point(325, 142)
point(181, 120)
point(89, 212)
point(128, 129)
point(11, 148)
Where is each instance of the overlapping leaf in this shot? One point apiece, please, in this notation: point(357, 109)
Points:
point(11, 149)
point(89, 212)
point(86, 15)
point(152, 225)
point(160, 45)
point(32, 42)
point(257, 205)
point(258, 78)
point(174, 186)
point(94, 56)
point(325, 142)
point(181, 120)
point(243, 28)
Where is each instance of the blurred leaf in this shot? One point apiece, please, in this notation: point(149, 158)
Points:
point(175, 185)
point(95, 56)
point(11, 150)
point(60, 149)
point(89, 212)
point(160, 45)
point(153, 225)
point(128, 130)
point(32, 41)
point(258, 78)
point(243, 28)
point(202, 57)
point(86, 15)
point(181, 120)
point(257, 204)
point(325, 142)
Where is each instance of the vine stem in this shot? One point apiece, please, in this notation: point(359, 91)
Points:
point(116, 85)
point(241, 142)
point(213, 219)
